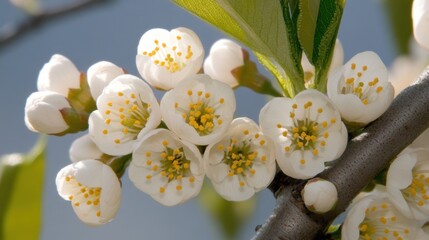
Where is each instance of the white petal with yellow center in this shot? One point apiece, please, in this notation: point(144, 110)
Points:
point(164, 58)
point(199, 109)
point(93, 189)
point(307, 132)
point(127, 110)
point(408, 183)
point(374, 217)
point(170, 170)
point(242, 162)
point(360, 89)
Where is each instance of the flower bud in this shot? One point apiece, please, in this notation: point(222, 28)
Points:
point(84, 148)
point(42, 112)
point(319, 195)
point(225, 55)
point(58, 75)
point(100, 75)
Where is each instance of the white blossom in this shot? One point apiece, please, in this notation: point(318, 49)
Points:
point(225, 56)
point(199, 109)
point(360, 89)
point(242, 162)
point(84, 148)
point(43, 112)
point(319, 195)
point(405, 69)
point(374, 217)
point(306, 130)
point(59, 75)
point(127, 109)
point(100, 75)
point(310, 72)
point(407, 183)
point(164, 58)
point(170, 170)
point(93, 189)
point(420, 15)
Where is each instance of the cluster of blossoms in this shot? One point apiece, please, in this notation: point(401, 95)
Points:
point(169, 146)
point(398, 207)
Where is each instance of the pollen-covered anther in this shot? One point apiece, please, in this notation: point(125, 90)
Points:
point(167, 56)
point(84, 194)
point(201, 112)
point(133, 115)
point(304, 134)
point(174, 165)
point(240, 157)
point(418, 189)
point(359, 88)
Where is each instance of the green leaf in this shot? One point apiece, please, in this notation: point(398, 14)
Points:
point(248, 76)
point(230, 216)
point(328, 23)
point(318, 24)
point(334, 232)
point(21, 180)
point(399, 14)
point(82, 104)
point(307, 22)
point(259, 25)
point(80, 98)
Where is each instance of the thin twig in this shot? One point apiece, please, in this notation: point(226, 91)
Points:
point(9, 35)
point(366, 155)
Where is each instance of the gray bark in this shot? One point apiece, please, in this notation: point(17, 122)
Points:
point(366, 156)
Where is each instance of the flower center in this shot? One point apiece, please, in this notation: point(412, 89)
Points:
point(307, 133)
point(83, 195)
point(417, 191)
point(131, 113)
point(352, 85)
point(239, 157)
point(201, 113)
point(172, 58)
point(380, 223)
point(173, 165)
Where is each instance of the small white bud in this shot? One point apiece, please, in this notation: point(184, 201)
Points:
point(58, 75)
point(42, 112)
point(225, 56)
point(100, 75)
point(319, 195)
point(84, 148)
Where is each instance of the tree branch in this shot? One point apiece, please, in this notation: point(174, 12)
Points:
point(366, 156)
point(33, 22)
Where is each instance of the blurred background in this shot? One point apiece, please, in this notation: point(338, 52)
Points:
point(111, 32)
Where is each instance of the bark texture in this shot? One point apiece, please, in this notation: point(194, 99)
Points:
point(366, 156)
